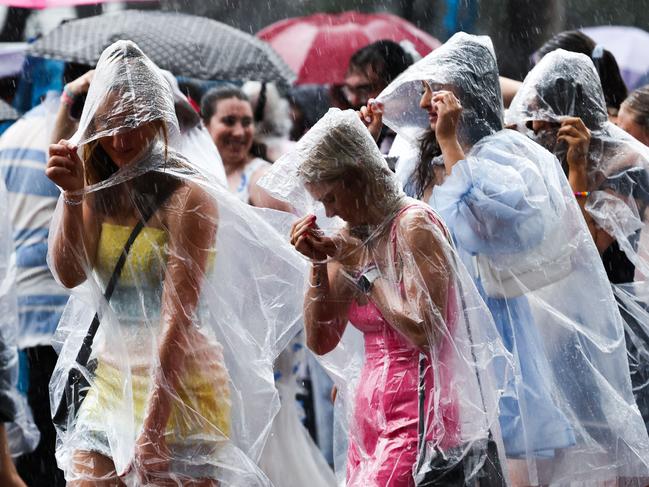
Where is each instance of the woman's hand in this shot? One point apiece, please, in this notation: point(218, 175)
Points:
point(309, 240)
point(302, 238)
point(448, 109)
point(577, 137)
point(372, 116)
point(64, 166)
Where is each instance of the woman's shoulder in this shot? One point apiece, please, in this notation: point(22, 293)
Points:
point(416, 217)
point(256, 164)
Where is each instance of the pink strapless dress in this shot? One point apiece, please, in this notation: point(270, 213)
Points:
point(384, 435)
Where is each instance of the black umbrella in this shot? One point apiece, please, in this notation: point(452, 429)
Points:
point(186, 45)
point(7, 112)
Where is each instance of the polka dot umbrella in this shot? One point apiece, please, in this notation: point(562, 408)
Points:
point(186, 45)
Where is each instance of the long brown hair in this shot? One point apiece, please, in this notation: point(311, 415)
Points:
point(424, 175)
point(146, 189)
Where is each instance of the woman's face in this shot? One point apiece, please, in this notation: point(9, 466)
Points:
point(232, 130)
point(426, 101)
point(123, 148)
point(626, 121)
point(340, 198)
point(545, 133)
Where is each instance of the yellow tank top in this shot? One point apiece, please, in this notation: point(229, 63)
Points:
point(145, 260)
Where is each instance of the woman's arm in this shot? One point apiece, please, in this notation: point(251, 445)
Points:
point(329, 296)
point(74, 244)
point(326, 306)
point(576, 135)
point(260, 198)
point(65, 126)
point(192, 228)
point(419, 312)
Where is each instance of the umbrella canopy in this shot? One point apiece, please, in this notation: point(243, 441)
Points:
point(7, 112)
point(318, 47)
point(629, 46)
point(40, 4)
point(186, 45)
point(12, 56)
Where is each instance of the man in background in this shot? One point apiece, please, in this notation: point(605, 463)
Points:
point(370, 70)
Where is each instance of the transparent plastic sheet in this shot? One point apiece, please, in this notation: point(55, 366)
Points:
point(22, 434)
point(289, 447)
point(633, 299)
point(424, 302)
point(482, 114)
point(568, 414)
point(181, 372)
point(565, 84)
point(195, 143)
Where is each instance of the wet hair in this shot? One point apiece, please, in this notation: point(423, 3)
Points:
point(615, 90)
point(210, 100)
point(339, 152)
point(424, 174)
point(638, 103)
point(312, 102)
point(148, 188)
point(386, 58)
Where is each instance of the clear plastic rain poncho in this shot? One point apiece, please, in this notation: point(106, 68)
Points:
point(566, 84)
point(182, 361)
point(568, 413)
point(422, 323)
point(15, 414)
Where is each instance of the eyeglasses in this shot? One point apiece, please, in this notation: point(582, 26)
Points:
point(362, 92)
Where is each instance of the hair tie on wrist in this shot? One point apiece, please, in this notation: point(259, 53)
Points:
point(67, 97)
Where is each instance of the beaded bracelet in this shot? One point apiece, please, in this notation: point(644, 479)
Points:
point(582, 194)
point(72, 202)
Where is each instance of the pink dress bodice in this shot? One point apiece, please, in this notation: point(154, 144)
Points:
point(384, 435)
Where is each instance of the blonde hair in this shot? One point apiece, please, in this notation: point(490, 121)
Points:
point(342, 153)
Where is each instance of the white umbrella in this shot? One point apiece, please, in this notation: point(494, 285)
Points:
point(629, 46)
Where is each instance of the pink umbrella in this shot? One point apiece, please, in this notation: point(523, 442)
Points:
point(40, 4)
point(318, 47)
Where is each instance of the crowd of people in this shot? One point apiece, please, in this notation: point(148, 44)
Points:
point(453, 262)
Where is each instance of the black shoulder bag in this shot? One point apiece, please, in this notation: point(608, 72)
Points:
point(450, 469)
point(77, 386)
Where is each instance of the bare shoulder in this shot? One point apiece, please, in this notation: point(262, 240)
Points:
point(190, 202)
point(419, 227)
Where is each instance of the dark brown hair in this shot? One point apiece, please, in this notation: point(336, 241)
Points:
point(424, 174)
point(615, 90)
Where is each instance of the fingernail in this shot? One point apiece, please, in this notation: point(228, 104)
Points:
point(368, 119)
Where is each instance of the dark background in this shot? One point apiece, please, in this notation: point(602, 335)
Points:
point(517, 27)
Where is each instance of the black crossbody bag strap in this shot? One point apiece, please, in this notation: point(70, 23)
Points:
point(73, 394)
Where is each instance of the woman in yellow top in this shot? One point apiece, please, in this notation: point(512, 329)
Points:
point(159, 409)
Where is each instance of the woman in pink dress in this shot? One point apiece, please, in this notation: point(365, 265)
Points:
point(392, 272)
